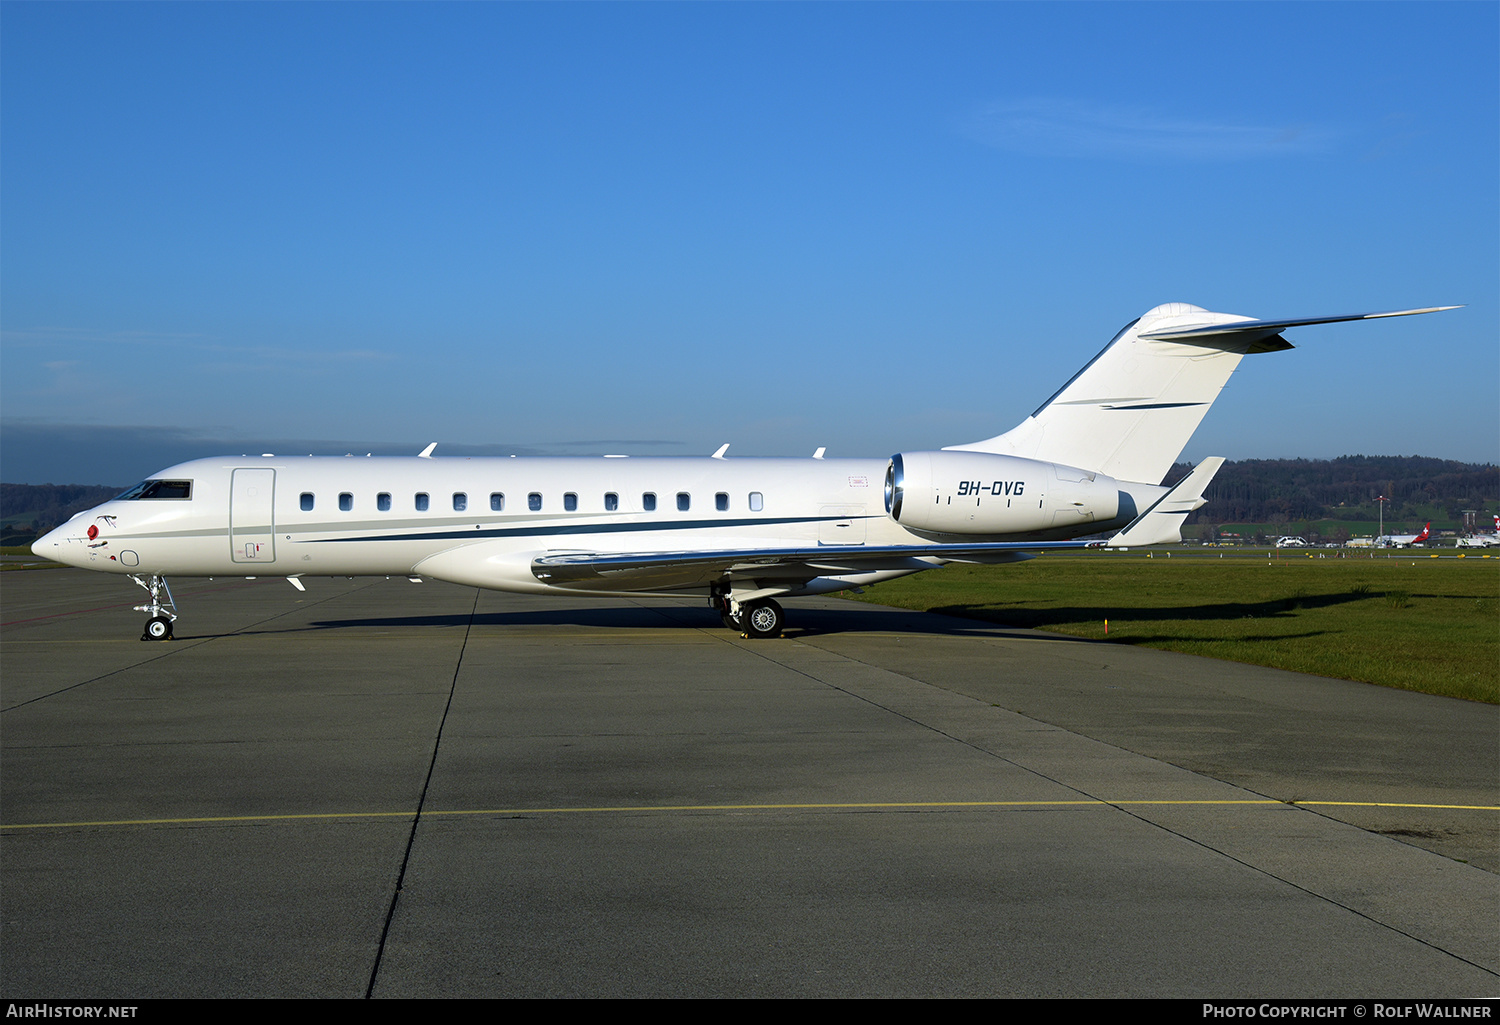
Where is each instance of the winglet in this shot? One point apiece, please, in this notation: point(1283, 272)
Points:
point(426, 453)
point(719, 452)
point(1162, 522)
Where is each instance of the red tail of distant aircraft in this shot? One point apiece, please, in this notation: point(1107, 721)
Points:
point(1404, 540)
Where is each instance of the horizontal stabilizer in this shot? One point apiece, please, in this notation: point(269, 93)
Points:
point(1250, 329)
point(1162, 523)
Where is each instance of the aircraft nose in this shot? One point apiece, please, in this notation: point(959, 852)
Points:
point(51, 545)
point(44, 543)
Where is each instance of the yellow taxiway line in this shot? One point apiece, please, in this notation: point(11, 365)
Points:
point(830, 806)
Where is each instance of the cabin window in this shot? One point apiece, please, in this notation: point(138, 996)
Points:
point(460, 501)
point(570, 502)
point(648, 501)
point(721, 502)
point(611, 501)
point(757, 501)
point(346, 501)
point(158, 489)
point(383, 501)
point(421, 501)
point(307, 501)
point(684, 500)
point(497, 501)
point(534, 501)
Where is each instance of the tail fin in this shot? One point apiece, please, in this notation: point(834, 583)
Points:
point(1427, 530)
point(1162, 523)
point(1131, 410)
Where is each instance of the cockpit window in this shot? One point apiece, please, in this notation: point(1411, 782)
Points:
point(158, 489)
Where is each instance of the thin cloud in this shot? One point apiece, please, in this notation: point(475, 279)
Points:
point(53, 336)
point(37, 450)
point(1398, 131)
point(612, 443)
point(89, 336)
point(1073, 128)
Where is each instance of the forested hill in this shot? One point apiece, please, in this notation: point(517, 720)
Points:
point(29, 509)
point(1285, 490)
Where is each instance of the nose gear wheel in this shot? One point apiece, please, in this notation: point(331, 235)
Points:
point(163, 613)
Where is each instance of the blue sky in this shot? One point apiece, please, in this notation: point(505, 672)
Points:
point(655, 228)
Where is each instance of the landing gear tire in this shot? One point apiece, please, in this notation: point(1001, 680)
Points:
point(162, 612)
point(730, 621)
point(762, 619)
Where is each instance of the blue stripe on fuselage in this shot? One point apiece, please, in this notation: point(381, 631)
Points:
point(580, 528)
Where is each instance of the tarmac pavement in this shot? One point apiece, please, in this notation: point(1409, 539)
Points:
point(398, 790)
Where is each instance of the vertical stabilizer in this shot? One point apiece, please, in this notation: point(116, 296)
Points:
point(1130, 412)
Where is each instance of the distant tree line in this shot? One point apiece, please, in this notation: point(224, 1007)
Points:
point(1284, 490)
point(27, 510)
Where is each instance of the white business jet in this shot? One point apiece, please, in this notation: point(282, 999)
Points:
point(740, 532)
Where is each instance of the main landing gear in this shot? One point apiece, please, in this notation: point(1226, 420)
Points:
point(163, 613)
point(762, 618)
point(752, 619)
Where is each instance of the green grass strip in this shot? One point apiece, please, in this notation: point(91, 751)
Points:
point(1414, 622)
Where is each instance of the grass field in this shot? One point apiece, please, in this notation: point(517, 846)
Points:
point(22, 552)
point(1417, 623)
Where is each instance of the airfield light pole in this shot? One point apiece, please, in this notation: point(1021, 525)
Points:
point(1380, 502)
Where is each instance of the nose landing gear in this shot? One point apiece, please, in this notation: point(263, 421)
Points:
point(163, 613)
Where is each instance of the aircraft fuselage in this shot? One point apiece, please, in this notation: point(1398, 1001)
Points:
point(481, 520)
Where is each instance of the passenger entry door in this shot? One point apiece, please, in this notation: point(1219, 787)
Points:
point(252, 526)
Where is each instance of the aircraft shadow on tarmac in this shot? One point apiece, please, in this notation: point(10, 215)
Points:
point(990, 619)
point(802, 622)
point(1045, 618)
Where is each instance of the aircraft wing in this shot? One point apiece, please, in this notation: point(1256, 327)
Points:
point(789, 567)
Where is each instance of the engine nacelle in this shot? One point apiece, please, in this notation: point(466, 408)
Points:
point(977, 493)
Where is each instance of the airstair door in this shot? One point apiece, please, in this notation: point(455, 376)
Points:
point(252, 526)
